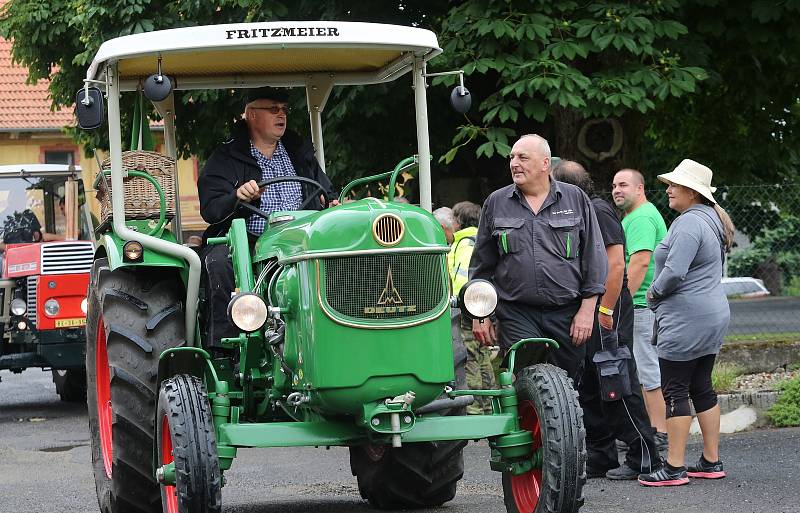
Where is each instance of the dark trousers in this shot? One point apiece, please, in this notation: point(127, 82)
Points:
point(218, 284)
point(682, 380)
point(517, 321)
point(625, 419)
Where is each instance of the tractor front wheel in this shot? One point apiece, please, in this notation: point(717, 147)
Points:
point(417, 475)
point(549, 409)
point(185, 436)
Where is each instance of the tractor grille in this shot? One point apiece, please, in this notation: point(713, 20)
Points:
point(67, 257)
point(31, 297)
point(388, 286)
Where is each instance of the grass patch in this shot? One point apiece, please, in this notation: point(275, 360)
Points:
point(791, 336)
point(723, 376)
point(786, 410)
point(793, 288)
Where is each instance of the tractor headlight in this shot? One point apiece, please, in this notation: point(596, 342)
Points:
point(84, 305)
point(18, 306)
point(478, 298)
point(52, 307)
point(247, 311)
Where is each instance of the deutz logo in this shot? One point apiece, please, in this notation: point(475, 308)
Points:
point(389, 298)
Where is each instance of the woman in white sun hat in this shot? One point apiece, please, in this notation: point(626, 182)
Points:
point(692, 317)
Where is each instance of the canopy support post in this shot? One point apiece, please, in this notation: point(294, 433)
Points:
point(423, 144)
point(318, 89)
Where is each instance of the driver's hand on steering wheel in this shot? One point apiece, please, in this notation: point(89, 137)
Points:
point(249, 191)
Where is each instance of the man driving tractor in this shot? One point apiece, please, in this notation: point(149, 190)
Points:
point(261, 148)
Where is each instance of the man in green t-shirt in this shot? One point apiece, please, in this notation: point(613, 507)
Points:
point(644, 228)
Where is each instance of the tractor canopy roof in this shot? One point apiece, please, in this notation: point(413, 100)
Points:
point(38, 170)
point(278, 53)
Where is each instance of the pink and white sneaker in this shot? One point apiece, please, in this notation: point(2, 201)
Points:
point(704, 469)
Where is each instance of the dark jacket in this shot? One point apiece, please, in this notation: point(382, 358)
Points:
point(552, 258)
point(232, 164)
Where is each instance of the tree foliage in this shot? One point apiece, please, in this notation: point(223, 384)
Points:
point(744, 121)
point(601, 59)
point(686, 78)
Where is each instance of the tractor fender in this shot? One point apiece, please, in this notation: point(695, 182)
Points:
point(187, 360)
point(111, 245)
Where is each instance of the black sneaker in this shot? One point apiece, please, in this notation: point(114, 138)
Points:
point(595, 472)
point(622, 473)
point(661, 440)
point(665, 476)
point(704, 469)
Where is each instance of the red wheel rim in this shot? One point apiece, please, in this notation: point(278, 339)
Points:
point(105, 412)
point(526, 487)
point(168, 492)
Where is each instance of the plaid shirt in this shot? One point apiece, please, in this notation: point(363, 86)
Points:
point(279, 196)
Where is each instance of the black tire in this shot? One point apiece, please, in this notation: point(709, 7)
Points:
point(547, 398)
point(185, 432)
point(70, 385)
point(129, 310)
point(419, 475)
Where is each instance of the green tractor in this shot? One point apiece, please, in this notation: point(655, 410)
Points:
point(344, 314)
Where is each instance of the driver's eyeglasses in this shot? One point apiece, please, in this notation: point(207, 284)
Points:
point(274, 109)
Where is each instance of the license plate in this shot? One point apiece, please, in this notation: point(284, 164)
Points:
point(70, 323)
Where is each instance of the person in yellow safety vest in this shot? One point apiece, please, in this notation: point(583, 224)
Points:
point(461, 253)
point(479, 370)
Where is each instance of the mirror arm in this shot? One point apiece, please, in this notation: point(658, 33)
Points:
point(459, 72)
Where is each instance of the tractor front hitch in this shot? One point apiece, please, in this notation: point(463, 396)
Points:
point(392, 417)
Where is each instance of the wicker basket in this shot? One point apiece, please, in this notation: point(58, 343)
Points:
point(141, 198)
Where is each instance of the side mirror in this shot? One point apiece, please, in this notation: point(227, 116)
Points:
point(157, 87)
point(89, 108)
point(460, 99)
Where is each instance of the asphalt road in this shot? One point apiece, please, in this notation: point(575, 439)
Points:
point(44, 468)
point(765, 315)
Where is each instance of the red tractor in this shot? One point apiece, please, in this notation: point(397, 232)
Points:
point(46, 253)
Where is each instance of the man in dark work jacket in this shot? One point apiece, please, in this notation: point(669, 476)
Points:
point(539, 243)
point(261, 148)
point(626, 418)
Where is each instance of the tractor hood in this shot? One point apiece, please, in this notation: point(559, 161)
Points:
point(367, 225)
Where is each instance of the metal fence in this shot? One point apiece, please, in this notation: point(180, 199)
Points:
point(763, 268)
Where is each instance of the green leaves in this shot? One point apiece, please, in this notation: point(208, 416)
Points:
point(601, 59)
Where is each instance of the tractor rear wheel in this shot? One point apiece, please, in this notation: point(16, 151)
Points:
point(70, 385)
point(185, 434)
point(549, 409)
point(133, 316)
point(417, 475)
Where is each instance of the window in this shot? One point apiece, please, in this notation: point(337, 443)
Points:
point(66, 157)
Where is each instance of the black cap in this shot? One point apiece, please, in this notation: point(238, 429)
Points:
point(266, 93)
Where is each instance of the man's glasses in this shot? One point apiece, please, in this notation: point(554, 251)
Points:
point(274, 109)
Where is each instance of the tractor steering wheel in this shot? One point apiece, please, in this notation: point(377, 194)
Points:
point(317, 188)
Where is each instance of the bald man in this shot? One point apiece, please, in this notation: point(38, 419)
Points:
point(644, 228)
point(539, 243)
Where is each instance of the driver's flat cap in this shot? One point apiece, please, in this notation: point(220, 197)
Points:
point(266, 93)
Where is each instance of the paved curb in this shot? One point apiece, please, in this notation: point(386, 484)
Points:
point(760, 356)
point(759, 400)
